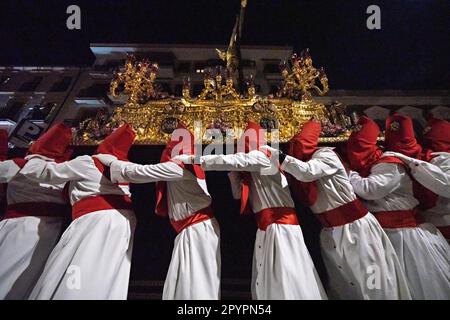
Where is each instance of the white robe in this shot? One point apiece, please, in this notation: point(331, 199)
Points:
point(93, 257)
point(282, 266)
point(435, 176)
point(194, 271)
point(360, 260)
point(26, 242)
point(423, 252)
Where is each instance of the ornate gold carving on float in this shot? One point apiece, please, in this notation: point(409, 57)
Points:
point(219, 105)
point(302, 79)
point(137, 80)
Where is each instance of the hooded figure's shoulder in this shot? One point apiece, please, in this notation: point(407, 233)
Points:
point(387, 167)
point(328, 156)
point(441, 160)
point(83, 158)
point(83, 161)
point(326, 153)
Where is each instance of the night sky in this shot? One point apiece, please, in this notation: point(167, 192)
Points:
point(411, 51)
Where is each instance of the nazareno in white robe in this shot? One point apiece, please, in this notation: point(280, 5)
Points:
point(194, 270)
point(435, 176)
point(422, 250)
point(282, 266)
point(93, 257)
point(26, 241)
point(359, 258)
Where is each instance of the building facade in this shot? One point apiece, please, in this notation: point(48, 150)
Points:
point(31, 96)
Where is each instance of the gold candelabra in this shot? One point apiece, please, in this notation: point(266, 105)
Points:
point(137, 80)
point(214, 87)
point(302, 78)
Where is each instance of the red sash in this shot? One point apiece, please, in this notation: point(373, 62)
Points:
point(20, 162)
point(266, 217)
point(35, 209)
point(100, 202)
point(344, 214)
point(399, 218)
point(197, 217)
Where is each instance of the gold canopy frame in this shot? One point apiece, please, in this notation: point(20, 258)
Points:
point(219, 106)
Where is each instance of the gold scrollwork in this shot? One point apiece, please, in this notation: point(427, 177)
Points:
point(219, 104)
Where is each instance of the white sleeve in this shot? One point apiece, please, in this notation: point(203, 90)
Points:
point(8, 169)
point(384, 179)
point(321, 164)
point(122, 171)
point(252, 162)
point(433, 177)
point(56, 173)
point(235, 181)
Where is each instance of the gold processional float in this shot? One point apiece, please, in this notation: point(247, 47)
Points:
point(219, 106)
point(220, 110)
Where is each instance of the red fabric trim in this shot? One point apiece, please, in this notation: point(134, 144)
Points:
point(304, 192)
point(245, 193)
point(266, 217)
point(101, 202)
point(197, 217)
point(106, 171)
point(246, 178)
point(20, 162)
point(342, 215)
point(445, 231)
point(250, 143)
point(398, 218)
point(161, 208)
point(389, 159)
point(36, 209)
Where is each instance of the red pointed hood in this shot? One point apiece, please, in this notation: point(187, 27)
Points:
point(252, 138)
point(54, 143)
point(3, 145)
point(362, 149)
point(400, 136)
point(118, 143)
point(437, 135)
point(304, 143)
point(181, 142)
